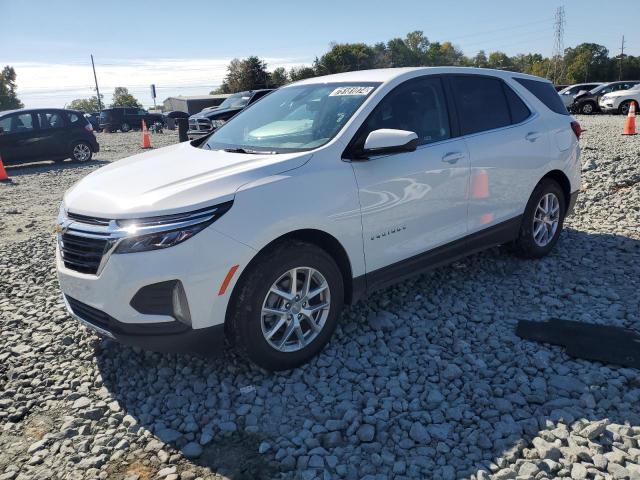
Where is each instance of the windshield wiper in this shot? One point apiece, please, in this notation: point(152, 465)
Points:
point(250, 152)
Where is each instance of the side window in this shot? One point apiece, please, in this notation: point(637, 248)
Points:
point(519, 111)
point(49, 120)
point(17, 123)
point(544, 92)
point(141, 112)
point(418, 106)
point(73, 117)
point(482, 104)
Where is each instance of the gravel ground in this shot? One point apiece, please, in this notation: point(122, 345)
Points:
point(423, 380)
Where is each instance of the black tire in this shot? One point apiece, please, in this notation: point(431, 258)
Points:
point(525, 245)
point(125, 127)
point(623, 109)
point(588, 108)
point(81, 151)
point(244, 317)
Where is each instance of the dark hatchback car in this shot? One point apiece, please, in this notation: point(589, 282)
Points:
point(205, 122)
point(588, 102)
point(126, 118)
point(46, 134)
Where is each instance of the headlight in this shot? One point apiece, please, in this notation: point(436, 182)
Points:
point(217, 123)
point(155, 233)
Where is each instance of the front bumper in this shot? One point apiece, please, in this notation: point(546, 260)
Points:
point(103, 301)
point(608, 107)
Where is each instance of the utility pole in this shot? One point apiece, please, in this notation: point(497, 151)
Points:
point(96, 80)
point(556, 67)
point(621, 58)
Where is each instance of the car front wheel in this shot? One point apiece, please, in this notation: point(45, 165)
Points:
point(624, 107)
point(81, 152)
point(286, 306)
point(587, 108)
point(125, 127)
point(542, 221)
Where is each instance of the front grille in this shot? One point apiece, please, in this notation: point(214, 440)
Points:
point(89, 314)
point(82, 254)
point(200, 124)
point(88, 220)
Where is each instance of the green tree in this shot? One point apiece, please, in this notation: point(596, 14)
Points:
point(248, 74)
point(86, 104)
point(480, 60)
point(300, 73)
point(8, 95)
point(500, 61)
point(587, 61)
point(346, 57)
point(278, 77)
point(122, 98)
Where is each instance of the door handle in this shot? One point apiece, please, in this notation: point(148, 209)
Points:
point(452, 157)
point(533, 136)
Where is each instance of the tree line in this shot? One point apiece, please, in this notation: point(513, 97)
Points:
point(586, 62)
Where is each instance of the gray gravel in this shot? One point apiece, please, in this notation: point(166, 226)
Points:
point(424, 380)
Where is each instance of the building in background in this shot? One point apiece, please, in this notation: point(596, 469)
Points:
point(192, 104)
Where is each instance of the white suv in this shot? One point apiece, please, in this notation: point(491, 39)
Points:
point(325, 190)
point(620, 101)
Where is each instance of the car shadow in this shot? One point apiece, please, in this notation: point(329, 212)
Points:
point(389, 365)
point(17, 169)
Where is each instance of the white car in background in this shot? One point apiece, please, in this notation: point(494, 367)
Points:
point(620, 101)
point(323, 191)
point(568, 94)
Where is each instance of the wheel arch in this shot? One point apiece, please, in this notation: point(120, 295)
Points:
point(564, 182)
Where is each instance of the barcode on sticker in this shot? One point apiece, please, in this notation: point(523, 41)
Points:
point(350, 91)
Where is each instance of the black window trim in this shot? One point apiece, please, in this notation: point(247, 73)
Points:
point(532, 111)
point(349, 155)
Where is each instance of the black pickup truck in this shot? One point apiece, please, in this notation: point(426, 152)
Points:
point(205, 122)
point(126, 118)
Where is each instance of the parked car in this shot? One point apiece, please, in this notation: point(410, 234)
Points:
point(206, 121)
point(126, 118)
point(621, 100)
point(588, 102)
point(46, 134)
point(560, 87)
point(260, 231)
point(569, 93)
point(94, 119)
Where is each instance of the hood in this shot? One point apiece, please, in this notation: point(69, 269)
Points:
point(216, 113)
point(173, 179)
point(622, 93)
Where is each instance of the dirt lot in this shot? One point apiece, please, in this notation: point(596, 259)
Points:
point(423, 380)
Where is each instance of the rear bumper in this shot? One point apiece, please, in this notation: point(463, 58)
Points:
point(165, 337)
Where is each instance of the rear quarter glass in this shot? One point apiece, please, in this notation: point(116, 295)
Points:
point(544, 92)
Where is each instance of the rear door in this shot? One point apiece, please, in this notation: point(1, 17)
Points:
point(53, 133)
point(508, 147)
point(19, 138)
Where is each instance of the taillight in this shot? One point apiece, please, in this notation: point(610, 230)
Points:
point(577, 129)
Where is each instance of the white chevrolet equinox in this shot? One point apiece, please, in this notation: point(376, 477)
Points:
point(321, 192)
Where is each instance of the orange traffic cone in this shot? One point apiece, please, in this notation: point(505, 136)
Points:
point(3, 173)
point(630, 122)
point(146, 141)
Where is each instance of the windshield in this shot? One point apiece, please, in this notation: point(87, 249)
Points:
point(292, 119)
point(238, 100)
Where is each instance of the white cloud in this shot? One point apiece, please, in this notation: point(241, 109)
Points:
point(56, 84)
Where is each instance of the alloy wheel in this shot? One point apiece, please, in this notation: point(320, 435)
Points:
point(587, 108)
point(81, 152)
point(546, 219)
point(295, 309)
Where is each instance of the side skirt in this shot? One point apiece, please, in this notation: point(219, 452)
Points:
point(499, 234)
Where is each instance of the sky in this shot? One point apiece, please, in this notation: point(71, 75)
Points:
point(184, 49)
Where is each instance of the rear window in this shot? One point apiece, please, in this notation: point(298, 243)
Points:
point(544, 92)
point(482, 104)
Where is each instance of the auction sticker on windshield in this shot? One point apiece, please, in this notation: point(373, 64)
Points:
point(351, 91)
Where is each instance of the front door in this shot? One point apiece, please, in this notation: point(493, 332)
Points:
point(414, 201)
point(18, 140)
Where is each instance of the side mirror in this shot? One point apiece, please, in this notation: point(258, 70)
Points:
point(388, 140)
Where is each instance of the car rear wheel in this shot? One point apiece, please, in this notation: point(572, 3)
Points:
point(588, 108)
point(125, 127)
point(542, 221)
point(286, 306)
point(81, 151)
point(624, 107)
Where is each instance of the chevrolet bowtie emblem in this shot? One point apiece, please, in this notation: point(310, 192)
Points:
point(58, 228)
